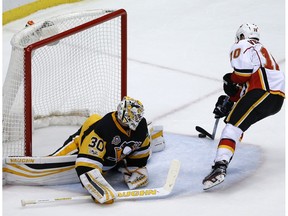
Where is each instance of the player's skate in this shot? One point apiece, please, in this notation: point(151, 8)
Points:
point(216, 176)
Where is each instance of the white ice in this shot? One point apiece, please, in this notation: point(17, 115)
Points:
point(178, 52)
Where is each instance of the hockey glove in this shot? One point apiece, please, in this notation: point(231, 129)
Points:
point(98, 187)
point(135, 177)
point(223, 106)
point(230, 88)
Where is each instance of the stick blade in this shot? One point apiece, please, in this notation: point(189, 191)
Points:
point(203, 131)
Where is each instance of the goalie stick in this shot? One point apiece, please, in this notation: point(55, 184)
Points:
point(126, 194)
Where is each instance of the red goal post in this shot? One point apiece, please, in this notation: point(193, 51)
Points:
point(61, 71)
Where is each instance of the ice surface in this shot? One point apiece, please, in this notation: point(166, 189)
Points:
point(178, 52)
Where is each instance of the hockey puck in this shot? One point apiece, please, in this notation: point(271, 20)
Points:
point(201, 135)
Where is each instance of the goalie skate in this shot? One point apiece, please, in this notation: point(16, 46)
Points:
point(216, 176)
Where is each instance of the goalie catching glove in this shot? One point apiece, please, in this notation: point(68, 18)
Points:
point(98, 187)
point(135, 177)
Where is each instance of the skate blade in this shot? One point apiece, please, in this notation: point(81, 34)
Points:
point(209, 184)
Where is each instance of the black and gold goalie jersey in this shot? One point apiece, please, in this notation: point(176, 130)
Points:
point(100, 142)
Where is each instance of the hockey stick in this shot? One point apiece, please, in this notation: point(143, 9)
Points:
point(126, 194)
point(204, 133)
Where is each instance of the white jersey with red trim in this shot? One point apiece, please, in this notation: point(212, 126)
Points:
point(254, 66)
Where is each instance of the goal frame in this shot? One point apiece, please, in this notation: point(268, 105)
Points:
point(28, 67)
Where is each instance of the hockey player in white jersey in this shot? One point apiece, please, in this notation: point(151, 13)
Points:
point(256, 87)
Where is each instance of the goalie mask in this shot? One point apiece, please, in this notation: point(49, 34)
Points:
point(249, 31)
point(130, 112)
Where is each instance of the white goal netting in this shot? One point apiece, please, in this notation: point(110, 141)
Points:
point(77, 68)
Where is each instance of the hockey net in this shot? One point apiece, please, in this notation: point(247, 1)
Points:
point(61, 71)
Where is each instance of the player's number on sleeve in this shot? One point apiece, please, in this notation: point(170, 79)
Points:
point(97, 143)
point(270, 61)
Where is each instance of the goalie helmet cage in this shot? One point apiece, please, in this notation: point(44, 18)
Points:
point(61, 71)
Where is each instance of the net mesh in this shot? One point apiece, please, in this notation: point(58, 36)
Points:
point(72, 77)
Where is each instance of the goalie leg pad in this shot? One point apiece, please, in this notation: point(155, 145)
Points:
point(157, 140)
point(97, 186)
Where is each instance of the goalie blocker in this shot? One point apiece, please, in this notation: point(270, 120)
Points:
point(98, 187)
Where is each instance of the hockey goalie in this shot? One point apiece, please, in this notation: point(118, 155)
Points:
point(119, 140)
